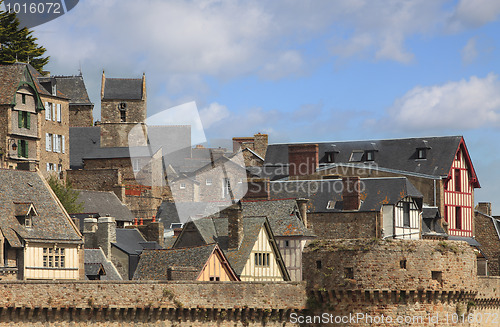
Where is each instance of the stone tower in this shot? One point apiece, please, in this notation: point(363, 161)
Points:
point(123, 105)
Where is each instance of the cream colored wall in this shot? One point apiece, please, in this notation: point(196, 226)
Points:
point(214, 268)
point(411, 232)
point(292, 256)
point(33, 262)
point(251, 272)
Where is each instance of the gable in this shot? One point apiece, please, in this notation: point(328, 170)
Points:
point(464, 161)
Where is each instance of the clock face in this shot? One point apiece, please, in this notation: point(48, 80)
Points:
point(32, 13)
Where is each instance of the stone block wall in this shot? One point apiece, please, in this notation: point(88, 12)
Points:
point(487, 236)
point(81, 115)
point(333, 225)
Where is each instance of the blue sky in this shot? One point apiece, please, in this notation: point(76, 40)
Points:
point(302, 70)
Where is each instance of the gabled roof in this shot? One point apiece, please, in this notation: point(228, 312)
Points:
point(94, 259)
point(24, 209)
point(15, 75)
point(52, 222)
point(216, 230)
point(395, 154)
point(131, 241)
point(82, 141)
point(326, 195)
point(104, 203)
point(74, 88)
point(123, 89)
point(154, 264)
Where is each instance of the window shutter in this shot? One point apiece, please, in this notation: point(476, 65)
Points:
point(28, 118)
point(54, 146)
point(47, 111)
point(25, 154)
point(20, 119)
point(48, 167)
point(49, 143)
point(59, 112)
point(53, 112)
point(19, 152)
point(63, 147)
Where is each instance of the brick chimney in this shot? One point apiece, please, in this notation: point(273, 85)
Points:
point(302, 203)
point(484, 207)
point(260, 144)
point(106, 234)
point(302, 159)
point(351, 193)
point(235, 225)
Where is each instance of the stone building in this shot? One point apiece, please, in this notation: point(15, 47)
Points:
point(488, 235)
point(439, 167)
point(80, 107)
point(253, 148)
point(38, 240)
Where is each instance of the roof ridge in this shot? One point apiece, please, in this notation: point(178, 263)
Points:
point(371, 140)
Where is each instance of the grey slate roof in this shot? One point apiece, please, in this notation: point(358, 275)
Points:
point(74, 88)
point(397, 154)
point(95, 257)
point(375, 192)
point(430, 221)
point(82, 141)
point(154, 264)
point(51, 223)
point(132, 242)
point(104, 203)
point(123, 89)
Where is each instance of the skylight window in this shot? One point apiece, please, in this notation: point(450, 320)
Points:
point(356, 156)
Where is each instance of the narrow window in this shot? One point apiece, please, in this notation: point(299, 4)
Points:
point(402, 264)
point(287, 244)
point(208, 181)
point(406, 214)
point(437, 275)
point(318, 264)
point(349, 273)
point(23, 98)
point(458, 218)
point(458, 182)
point(123, 116)
point(421, 153)
point(329, 157)
point(370, 155)
point(182, 186)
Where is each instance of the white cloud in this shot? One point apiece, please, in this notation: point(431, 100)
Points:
point(473, 13)
point(469, 52)
point(213, 114)
point(464, 104)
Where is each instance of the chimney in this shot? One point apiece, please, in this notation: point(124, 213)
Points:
point(302, 203)
point(484, 207)
point(260, 144)
point(106, 234)
point(143, 86)
point(103, 82)
point(302, 159)
point(258, 188)
point(177, 231)
point(89, 232)
point(351, 193)
point(235, 225)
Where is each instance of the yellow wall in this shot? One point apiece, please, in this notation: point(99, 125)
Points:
point(33, 262)
point(251, 272)
point(214, 268)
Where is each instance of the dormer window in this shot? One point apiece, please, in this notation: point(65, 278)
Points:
point(421, 153)
point(370, 155)
point(24, 212)
point(329, 157)
point(356, 156)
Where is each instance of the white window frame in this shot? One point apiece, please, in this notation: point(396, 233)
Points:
point(47, 111)
point(135, 165)
point(182, 186)
point(49, 144)
point(59, 112)
point(48, 166)
point(55, 140)
point(208, 181)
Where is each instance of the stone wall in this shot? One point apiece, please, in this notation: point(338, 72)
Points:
point(487, 236)
point(97, 180)
point(150, 303)
point(81, 115)
point(345, 224)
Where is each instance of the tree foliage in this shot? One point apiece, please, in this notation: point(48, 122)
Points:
point(66, 194)
point(19, 44)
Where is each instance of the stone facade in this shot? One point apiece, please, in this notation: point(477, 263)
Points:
point(486, 235)
point(81, 115)
point(337, 225)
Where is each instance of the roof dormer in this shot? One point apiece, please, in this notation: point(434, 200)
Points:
point(24, 212)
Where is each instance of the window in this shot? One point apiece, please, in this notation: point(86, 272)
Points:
point(135, 165)
point(356, 156)
point(50, 167)
point(54, 257)
point(458, 181)
point(182, 186)
point(402, 264)
point(48, 111)
point(329, 157)
point(437, 275)
point(370, 155)
point(421, 153)
point(59, 112)
point(349, 273)
point(62, 144)
point(23, 98)
point(22, 149)
point(240, 181)
point(56, 143)
point(53, 111)
point(262, 259)
point(406, 214)
point(59, 168)
point(208, 181)
point(287, 244)
point(226, 188)
point(318, 264)
point(48, 142)
point(23, 119)
point(123, 116)
point(458, 218)
point(214, 278)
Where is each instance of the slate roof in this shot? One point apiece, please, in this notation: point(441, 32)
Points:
point(51, 223)
point(104, 203)
point(82, 141)
point(123, 89)
point(74, 88)
point(326, 195)
point(132, 242)
point(430, 221)
point(396, 154)
point(154, 264)
point(10, 75)
point(94, 258)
